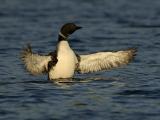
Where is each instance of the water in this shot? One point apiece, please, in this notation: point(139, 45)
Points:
point(128, 93)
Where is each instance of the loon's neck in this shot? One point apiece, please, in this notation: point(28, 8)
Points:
point(63, 45)
point(62, 37)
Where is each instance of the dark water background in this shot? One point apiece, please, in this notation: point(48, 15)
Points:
point(128, 93)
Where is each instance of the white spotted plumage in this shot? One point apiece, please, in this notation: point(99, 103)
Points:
point(36, 64)
point(104, 60)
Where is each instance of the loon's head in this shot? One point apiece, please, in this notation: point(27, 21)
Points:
point(68, 29)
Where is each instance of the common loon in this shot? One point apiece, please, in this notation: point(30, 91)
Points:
point(64, 62)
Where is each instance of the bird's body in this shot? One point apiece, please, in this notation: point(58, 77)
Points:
point(66, 64)
point(63, 63)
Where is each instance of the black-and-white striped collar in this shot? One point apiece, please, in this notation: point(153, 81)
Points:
point(62, 35)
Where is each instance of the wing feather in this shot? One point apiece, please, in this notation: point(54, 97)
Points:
point(104, 60)
point(35, 63)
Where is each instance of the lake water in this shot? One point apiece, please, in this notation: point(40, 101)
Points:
point(128, 93)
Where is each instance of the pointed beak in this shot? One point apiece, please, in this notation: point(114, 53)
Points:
point(78, 27)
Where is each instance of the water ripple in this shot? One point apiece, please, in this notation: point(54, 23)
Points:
point(129, 93)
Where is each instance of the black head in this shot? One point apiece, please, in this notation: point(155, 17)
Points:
point(68, 29)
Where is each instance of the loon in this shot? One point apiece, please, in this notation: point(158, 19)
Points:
point(64, 62)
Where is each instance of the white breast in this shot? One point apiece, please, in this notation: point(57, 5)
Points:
point(66, 64)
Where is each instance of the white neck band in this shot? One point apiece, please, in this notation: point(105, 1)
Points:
point(62, 35)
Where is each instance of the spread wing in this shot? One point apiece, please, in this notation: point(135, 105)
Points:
point(35, 63)
point(104, 60)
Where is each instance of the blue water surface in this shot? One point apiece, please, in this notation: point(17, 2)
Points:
point(128, 93)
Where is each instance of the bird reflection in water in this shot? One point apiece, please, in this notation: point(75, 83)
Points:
point(71, 81)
